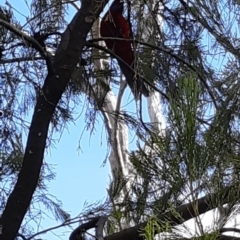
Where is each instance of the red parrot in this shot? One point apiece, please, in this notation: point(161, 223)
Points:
point(114, 25)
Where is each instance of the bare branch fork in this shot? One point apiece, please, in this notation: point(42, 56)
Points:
point(23, 36)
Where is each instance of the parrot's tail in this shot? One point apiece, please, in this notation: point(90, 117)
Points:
point(135, 82)
point(141, 88)
point(138, 87)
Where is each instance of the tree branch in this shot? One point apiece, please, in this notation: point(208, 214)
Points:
point(165, 50)
point(66, 223)
point(77, 233)
point(30, 40)
point(90, 44)
point(175, 217)
point(66, 58)
point(229, 230)
point(100, 227)
point(180, 214)
point(22, 59)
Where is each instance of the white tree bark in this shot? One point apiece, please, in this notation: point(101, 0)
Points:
point(117, 131)
point(155, 110)
point(155, 113)
point(117, 128)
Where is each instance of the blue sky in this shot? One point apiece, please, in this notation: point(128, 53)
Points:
point(80, 175)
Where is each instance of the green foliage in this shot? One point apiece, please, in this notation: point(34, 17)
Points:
point(184, 43)
point(151, 227)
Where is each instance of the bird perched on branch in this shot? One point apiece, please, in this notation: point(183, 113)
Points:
point(114, 25)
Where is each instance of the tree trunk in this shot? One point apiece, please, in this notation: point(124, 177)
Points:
point(66, 59)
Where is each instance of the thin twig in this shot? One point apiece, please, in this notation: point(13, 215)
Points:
point(23, 36)
point(67, 223)
point(90, 44)
point(165, 50)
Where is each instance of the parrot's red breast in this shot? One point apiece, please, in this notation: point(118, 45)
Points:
point(114, 25)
